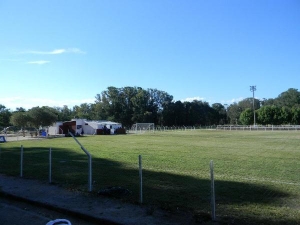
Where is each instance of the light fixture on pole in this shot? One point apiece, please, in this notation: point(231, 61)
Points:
point(253, 89)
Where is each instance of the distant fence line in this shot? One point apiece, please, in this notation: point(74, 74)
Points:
point(222, 127)
point(172, 128)
point(260, 127)
point(183, 128)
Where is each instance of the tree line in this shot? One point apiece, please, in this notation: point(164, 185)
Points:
point(129, 105)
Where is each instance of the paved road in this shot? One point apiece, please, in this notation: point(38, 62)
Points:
point(14, 212)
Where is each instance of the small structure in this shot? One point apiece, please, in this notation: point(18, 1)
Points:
point(83, 126)
point(2, 139)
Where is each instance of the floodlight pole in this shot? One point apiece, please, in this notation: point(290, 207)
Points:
point(253, 89)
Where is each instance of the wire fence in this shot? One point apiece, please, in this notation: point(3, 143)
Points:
point(249, 190)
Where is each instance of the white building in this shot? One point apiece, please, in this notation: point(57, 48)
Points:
point(83, 126)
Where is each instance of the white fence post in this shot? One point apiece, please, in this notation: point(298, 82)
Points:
point(141, 179)
point(213, 199)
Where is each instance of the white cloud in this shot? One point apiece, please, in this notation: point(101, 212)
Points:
point(56, 51)
point(231, 101)
point(40, 62)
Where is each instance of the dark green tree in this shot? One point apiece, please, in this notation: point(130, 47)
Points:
point(270, 101)
point(248, 103)
point(191, 114)
point(130, 105)
point(247, 117)
point(83, 111)
point(20, 119)
point(288, 98)
point(168, 114)
point(285, 116)
point(295, 114)
point(269, 115)
point(42, 116)
point(140, 106)
point(4, 116)
point(234, 111)
point(179, 117)
point(64, 113)
point(20, 109)
point(220, 115)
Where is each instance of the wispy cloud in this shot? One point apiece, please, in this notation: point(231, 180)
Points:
point(56, 51)
point(212, 101)
point(39, 62)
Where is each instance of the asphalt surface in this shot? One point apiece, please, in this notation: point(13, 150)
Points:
point(84, 206)
point(14, 212)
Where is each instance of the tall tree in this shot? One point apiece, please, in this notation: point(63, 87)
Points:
point(157, 101)
point(234, 111)
point(168, 114)
point(288, 98)
point(64, 113)
point(82, 111)
point(4, 116)
point(130, 105)
point(20, 109)
point(140, 106)
point(42, 116)
point(270, 101)
point(247, 117)
point(248, 103)
point(220, 114)
point(20, 119)
point(269, 115)
point(295, 112)
point(285, 116)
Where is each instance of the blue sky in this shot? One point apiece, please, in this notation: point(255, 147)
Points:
point(59, 53)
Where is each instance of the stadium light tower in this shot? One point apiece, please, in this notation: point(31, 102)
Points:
point(253, 89)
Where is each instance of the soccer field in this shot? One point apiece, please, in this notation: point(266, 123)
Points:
point(256, 172)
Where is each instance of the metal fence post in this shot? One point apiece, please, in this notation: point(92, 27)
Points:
point(21, 163)
point(141, 179)
point(50, 165)
point(89, 162)
point(213, 200)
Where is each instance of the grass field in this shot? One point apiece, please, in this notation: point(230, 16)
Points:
point(256, 173)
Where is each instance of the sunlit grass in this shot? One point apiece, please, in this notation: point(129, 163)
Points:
point(257, 173)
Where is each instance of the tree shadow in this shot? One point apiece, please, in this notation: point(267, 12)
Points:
point(172, 192)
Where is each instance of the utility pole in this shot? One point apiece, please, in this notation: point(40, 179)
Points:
point(253, 89)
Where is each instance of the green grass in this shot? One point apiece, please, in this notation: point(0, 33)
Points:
point(256, 173)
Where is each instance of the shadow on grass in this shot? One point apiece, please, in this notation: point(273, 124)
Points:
point(176, 193)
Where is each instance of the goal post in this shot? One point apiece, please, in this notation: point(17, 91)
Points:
point(143, 127)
